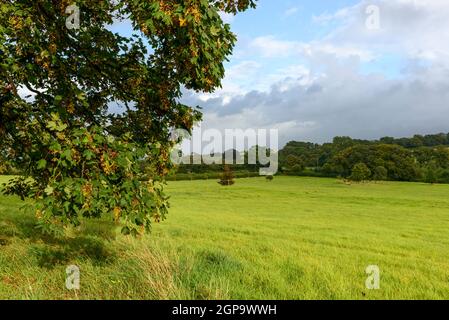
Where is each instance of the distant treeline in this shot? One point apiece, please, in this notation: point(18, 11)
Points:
point(420, 158)
point(195, 168)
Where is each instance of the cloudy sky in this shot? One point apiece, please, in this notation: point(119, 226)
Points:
point(315, 69)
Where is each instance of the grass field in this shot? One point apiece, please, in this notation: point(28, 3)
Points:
point(293, 238)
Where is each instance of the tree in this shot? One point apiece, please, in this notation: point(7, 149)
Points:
point(2, 168)
point(444, 176)
point(399, 162)
point(294, 163)
point(58, 81)
point(380, 174)
point(360, 172)
point(270, 178)
point(227, 177)
point(405, 159)
point(431, 175)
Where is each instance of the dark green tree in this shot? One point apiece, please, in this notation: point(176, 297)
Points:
point(431, 174)
point(380, 174)
point(3, 167)
point(227, 177)
point(360, 173)
point(294, 163)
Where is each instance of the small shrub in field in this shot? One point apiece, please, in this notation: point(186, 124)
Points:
point(360, 172)
point(269, 178)
point(227, 177)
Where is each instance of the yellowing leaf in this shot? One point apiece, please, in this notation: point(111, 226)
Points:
point(182, 22)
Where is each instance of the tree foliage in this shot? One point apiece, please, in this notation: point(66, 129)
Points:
point(57, 86)
point(380, 173)
point(294, 163)
point(431, 174)
point(405, 159)
point(227, 177)
point(360, 172)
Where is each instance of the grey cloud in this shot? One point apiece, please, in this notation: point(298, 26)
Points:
point(362, 106)
point(415, 28)
point(337, 98)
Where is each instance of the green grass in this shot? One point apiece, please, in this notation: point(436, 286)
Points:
point(293, 238)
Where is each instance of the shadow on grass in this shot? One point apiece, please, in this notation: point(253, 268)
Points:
point(72, 249)
point(89, 242)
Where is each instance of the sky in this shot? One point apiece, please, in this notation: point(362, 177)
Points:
point(315, 69)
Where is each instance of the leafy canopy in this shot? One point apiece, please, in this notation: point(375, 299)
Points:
point(57, 86)
point(360, 172)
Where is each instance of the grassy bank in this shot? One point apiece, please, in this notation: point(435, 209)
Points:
point(293, 238)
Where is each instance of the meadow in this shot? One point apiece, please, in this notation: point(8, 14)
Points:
point(292, 238)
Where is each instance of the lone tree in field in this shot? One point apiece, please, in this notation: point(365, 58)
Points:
point(360, 173)
point(227, 177)
point(59, 79)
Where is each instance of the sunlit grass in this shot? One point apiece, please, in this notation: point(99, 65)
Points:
point(293, 238)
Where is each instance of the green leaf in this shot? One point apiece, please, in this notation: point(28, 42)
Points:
point(126, 231)
point(67, 154)
point(88, 154)
point(214, 31)
point(58, 99)
point(55, 146)
point(49, 190)
point(41, 164)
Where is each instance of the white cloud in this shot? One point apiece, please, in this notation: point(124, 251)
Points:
point(238, 80)
point(412, 28)
point(242, 70)
point(320, 91)
point(291, 11)
point(271, 47)
point(340, 101)
point(329, 17)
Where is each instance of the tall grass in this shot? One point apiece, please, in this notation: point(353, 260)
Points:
point(292, 238)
